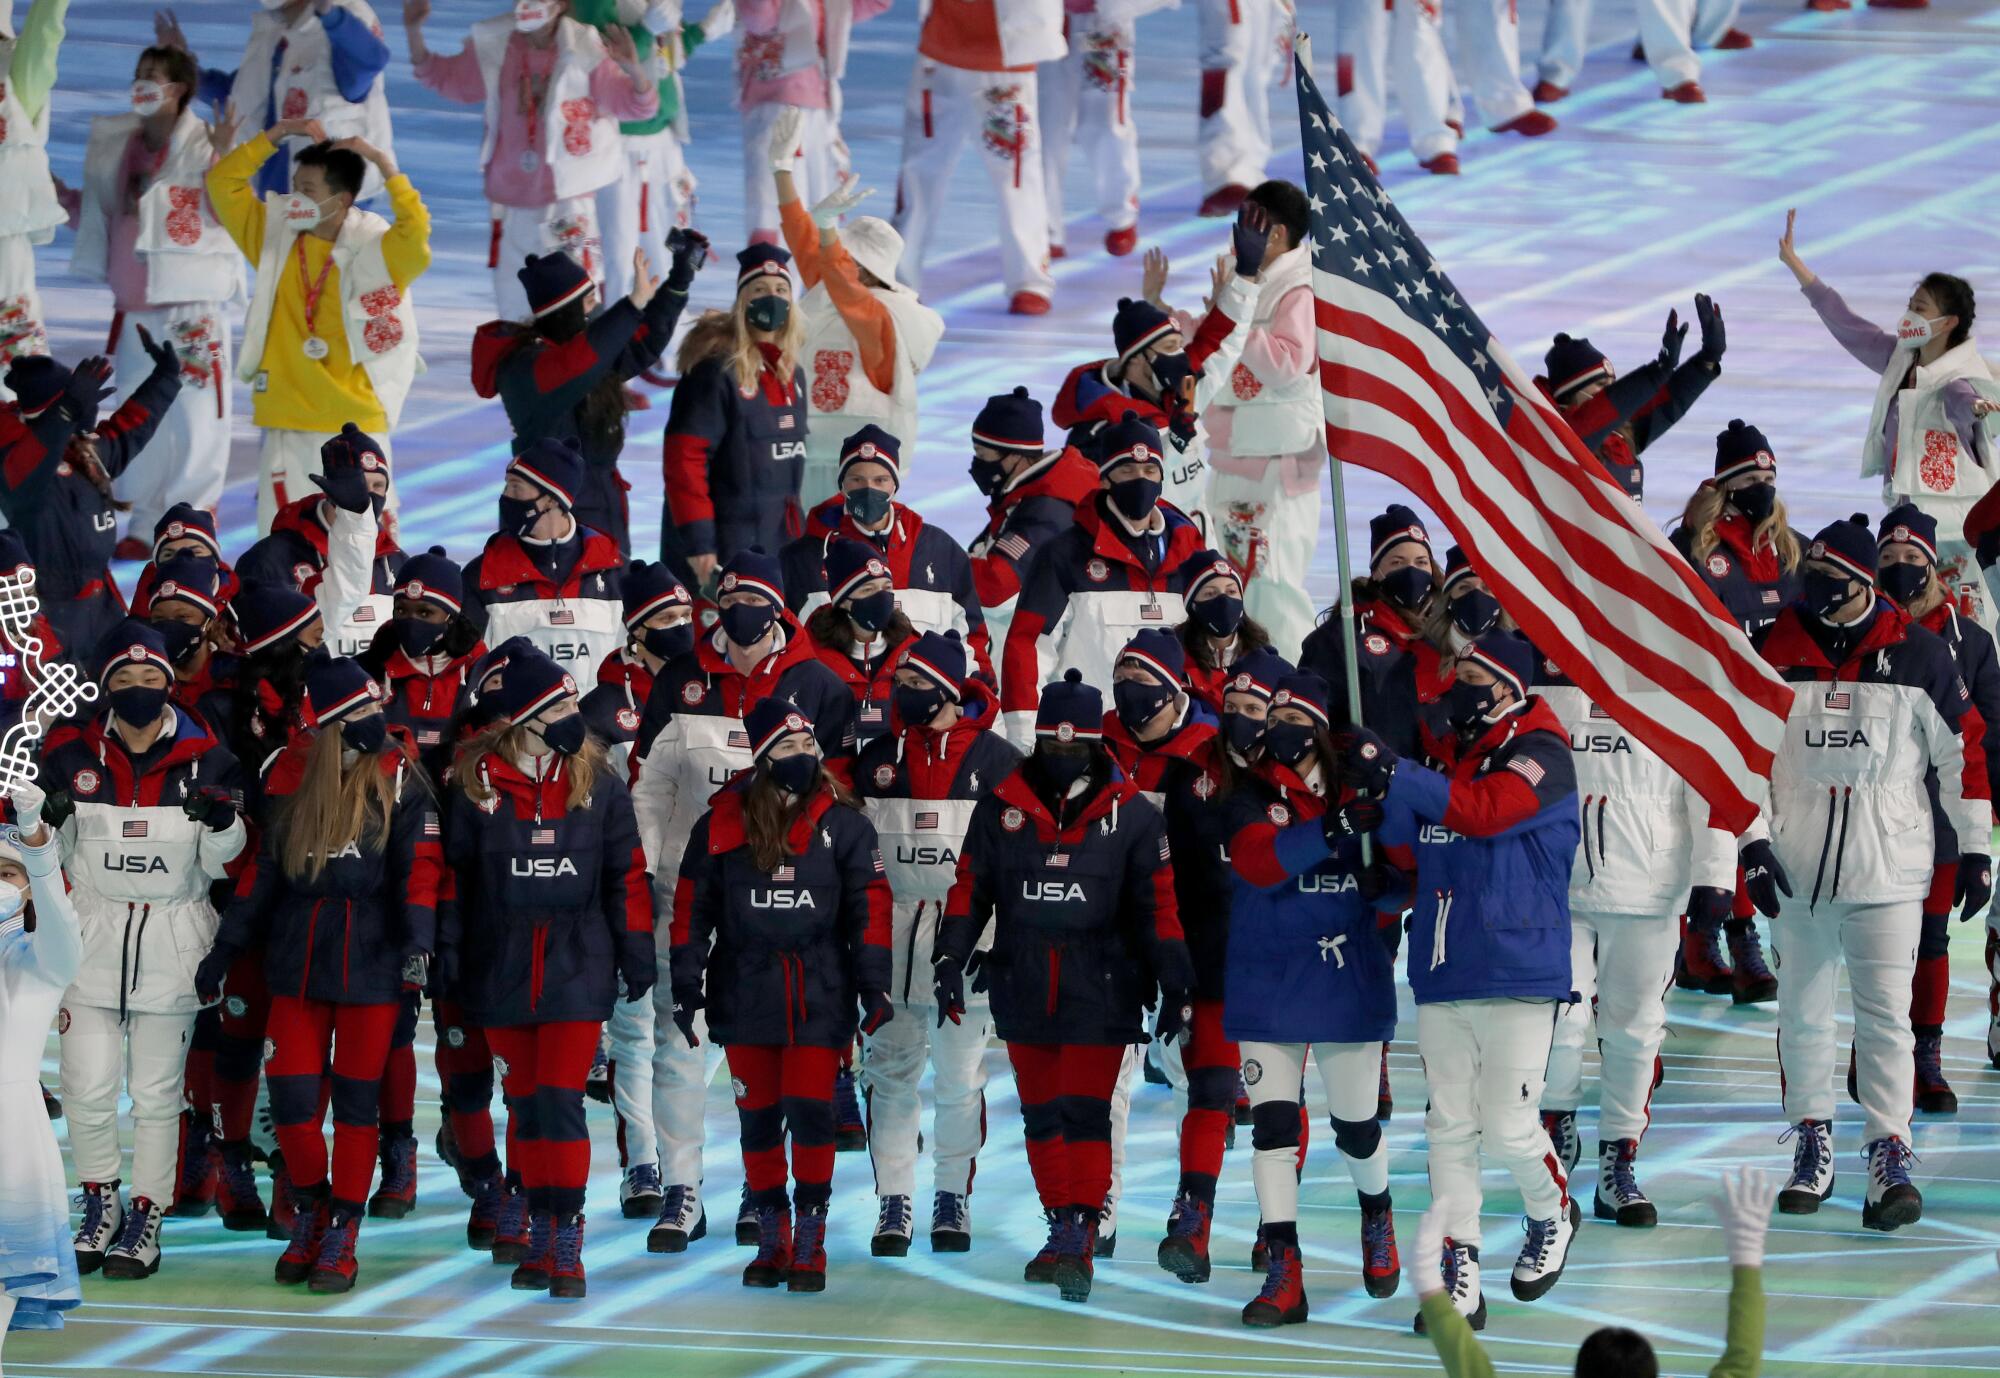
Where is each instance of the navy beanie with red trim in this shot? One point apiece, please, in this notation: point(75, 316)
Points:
point(267, 613)
point(336, 687)
point(191, 579)
point(761, 260)
point(554, 467)
point(1905, 523)
point(770, 722)
point(354, 446)
point(1848, 543)
point(940, 658)
point(1396, 525)
point(530, 683)
point(1160, 652)
point(1010, 421)
point(133, 642)
point(1258, 672)
point(1070, 710)
point(872, 445)
point(36, 381)
point(433, 577)
point(1132, 439)
point(752, 571)
point(1741, 448)
point(1512, 654)
point(182, 520)
point(650, 586)
point(850, 564)
point(1571, 362)
point(1137, 325)
point(1304, 689)
point(551, 282)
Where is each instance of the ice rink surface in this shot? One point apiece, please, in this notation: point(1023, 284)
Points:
point(1880, 126)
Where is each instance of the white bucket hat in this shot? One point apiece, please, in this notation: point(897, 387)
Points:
point(871, 242)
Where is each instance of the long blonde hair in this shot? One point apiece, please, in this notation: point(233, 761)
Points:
point(726, 335)
point(1704, 509)
point(508, 741)
point(334, 805)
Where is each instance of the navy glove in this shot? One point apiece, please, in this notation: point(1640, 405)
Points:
point(875, 1010)
point(1670, 342)
point(1366, 761)
point(211, 806)
point(949, 984)
point(640, 973)
point(1708, 906)
point(208, 976)
point(1176, 1014)
point(89, 384)
point(1250, 236)
point(165, 359)
point(1351, 820)
point(976, 970)
point(1381, 879)
point(1714, 340)
point(687, 1001)
point(1763, 877)
point(1975, 883)
point(57, 808)
point(346, 485)
point(689, 249)
point(444, 971)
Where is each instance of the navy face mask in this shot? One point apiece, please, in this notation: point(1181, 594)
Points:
point(868, 506)
point(517, 515)
point(1901, 582)
point(916, 707)
point(1242, 733)
point(417, 638)
point(180, 637)
point(365, 735)
point(1406, 587)
point(669, 643)
point(746, 623)
point(794, 774)
point(1218, 616)
point(1466, 705)
point(1288, 743)
point(138, 705)
point(873, 612)
point(1755, 501)
point(1171, 370)
point(1135, 498)
point(1139, 701)
point(1825, 593)
point(1475, 612)
point(1063, 765)
point(565, 736)
point(989, 476)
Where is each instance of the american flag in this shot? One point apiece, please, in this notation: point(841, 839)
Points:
point(542, 837)
point(1416, 388)
point(134, 827)
point(926, 821)
point(431, 825)
point(783, 875)
point(1012, 546)
point(1527, 768)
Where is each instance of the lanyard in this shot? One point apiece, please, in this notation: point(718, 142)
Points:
point(313, 290)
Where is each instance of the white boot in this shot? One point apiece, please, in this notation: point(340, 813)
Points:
point(1545, 1252)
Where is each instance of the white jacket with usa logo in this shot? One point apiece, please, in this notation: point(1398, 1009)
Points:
point(1850, 817)
point(1646, 837)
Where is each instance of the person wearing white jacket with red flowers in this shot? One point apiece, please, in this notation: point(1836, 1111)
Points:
point(1646, 847)
point(975, 79)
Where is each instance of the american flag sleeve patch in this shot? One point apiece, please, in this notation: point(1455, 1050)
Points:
point(1527, 769)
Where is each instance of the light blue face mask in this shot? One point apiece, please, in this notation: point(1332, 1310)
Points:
point(13, 907)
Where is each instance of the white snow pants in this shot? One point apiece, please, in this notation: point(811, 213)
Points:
point(997, 111)
point(147, 1056)
point(1664, 29)
point(1483, 1066)
point(1351, 1073)
point(1406, 40)
point(631, 1032)
point(634, 211)
point(1489, 55)
point(680, 1087)
point(1239, 55)
point(1086, 100)
point(892, 1063)
point(1623, 965)
point(1878, 943)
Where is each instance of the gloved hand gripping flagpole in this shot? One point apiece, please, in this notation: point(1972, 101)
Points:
point(1344, 596)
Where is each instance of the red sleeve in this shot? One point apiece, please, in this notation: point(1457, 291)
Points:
point(683, 911)
point(1491, 804)
point(1020, 664)
point(1972, 736)
point(994, 579)
point(686, 474)
point(1208, 337)
point(1253, 855)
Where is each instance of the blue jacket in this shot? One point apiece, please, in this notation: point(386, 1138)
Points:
point(1492, 843)
point(1305, 964)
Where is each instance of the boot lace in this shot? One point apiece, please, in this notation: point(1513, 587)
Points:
point(809, 1236)
point(1277, 1273)
point(1378, 1239)
point(95, 1203)
point(674, 1210)
point(541, 1241)
point(770, 1232)
point(1809, 1158)
point(337, 1246)
point(643, 1180)
point(1748, 954)
point(1186, 1220)
point(1930, 1066)
point(399, 1167)
point(1541, 1240)
point(1889, 1162)
point(1622, 1181)
point(132, 1230)
point(569, 1245)
point(895, 1216)
point(948, 1212)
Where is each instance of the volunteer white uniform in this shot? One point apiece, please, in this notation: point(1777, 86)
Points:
point(808, 35)
point(999, 110)
point(1403, 41)
point(1665, 27)
point(140, 877)
point(193, 273)
point(839, 395)
point(921, 839)
point(1646, 841)
point(1929, 466)
point(1245, 50)
point(306, 89)
point(1087, 99)
point(29, 214)
point(381, 325)
point(583, 150)
point(1489, 59)
point(1267, 450)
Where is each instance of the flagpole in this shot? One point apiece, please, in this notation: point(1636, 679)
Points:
point(1343, 562)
